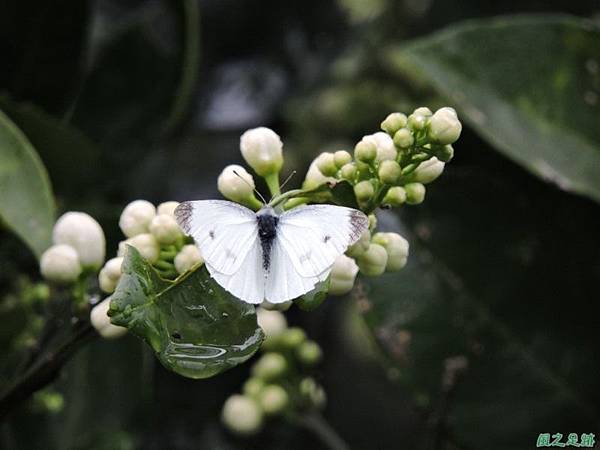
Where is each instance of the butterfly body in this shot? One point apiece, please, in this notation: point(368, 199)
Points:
point(265, 255)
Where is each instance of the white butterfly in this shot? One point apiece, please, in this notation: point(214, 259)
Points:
point(266, 256)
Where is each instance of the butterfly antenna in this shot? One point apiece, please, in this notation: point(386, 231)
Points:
point(288, 179)
point(253, 188)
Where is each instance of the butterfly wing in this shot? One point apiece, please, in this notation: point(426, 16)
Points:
point(227, 235)
point(308, 240)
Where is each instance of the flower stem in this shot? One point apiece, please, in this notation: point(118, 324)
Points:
point(272, 181)
point(316, 423)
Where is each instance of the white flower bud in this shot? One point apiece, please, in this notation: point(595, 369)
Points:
point(373, 262)
point(284, 306)
point(237, 188)
point(145, 243)
point(342, 275)
point(60, 264)
point(314, 178)
point(242, 415)
point(386, 150)
point(427, 171)
point(101, 322)
point(271, 322)
point(393, 123)
point(365, 150)
point(262, 150)
point(326, 164)
point(444, 126)
point(404, 138)
point(167, 208)
point(136, 217)
point(341, 158)
point(364, 190)
point(110, 274)
point(396, 247)
point(360, 246)
point(84, 234)
point(165, 229)
point(389, 171)
point(273, 399)
point(188, 257)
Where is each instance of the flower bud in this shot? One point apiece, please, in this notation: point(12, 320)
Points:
point(444, 126)
point(326, 164)
point(283, 306)
point(393, 123)
point(165, 229)
point(372, 262)
point(242, 415)
point(415, 193)
point(101, 322)
point(110, 274)
point(60, 264)
point(314, 393)
point(84, 234)
point(309, 353)
point(272, 323)
point(342, 275)
point(273, 399)
point(386, 150)
point(292, 338)
point(270, 366)
point(253, 386)
point(236, 184)
point(417, 122)
point(360, 246)
point(341, 158)
point(365, 151)
point(372, 221)
point(427, 171)
point(188, 257)
point(348, 171)
point(136, 217)
point(396, 247)
point(443, 152)
point(145, 243)
point(403, 138)
point(167, 208)
point(395, 196)
point(314, 177)
point(422, 111)
point(364, 191)
point(389, 172)
point(263, 150)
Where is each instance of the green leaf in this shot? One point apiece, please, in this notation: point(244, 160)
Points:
point(313, 299)
point(196, 328)
point(529, 85)
point(26, 201)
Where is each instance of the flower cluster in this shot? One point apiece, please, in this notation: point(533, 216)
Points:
point(280, 384)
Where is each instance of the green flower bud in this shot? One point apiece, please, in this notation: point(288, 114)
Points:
point(60, 264)
point(188, 257)
point(144, 243)
point(415, 193)
point(444, 126)
point(443, 152)
point(427, 171)
point(372, 221)
point(389, 172)
point(236, 184)
point(101, 322)
point(263, 150)
point(273, 323)
point(110, 274)
point(314, 393)
point(242, 415)
point(343, 274)
point(365, 151)
point(80, 231)
point(273, 399)
point(270, 366)
point(167, 208)
point(309, 353)
point(348, 171)
point(136, 217)
point(253, 386)
point(393, 123)
point(396, 247)
point(314, 177)
point(341, 158)
point(292, 338)
point(326, 164)
point(395, 196)
point(403, 138)
point(372, 262)
point(364, 191)
point(165, 229)
point(417, 122)
point(360, 246)
point(422, 111)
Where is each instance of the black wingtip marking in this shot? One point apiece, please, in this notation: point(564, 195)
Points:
point(359, 223)
point(183, 216)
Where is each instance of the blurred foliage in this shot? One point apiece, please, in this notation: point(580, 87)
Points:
point(485, 340)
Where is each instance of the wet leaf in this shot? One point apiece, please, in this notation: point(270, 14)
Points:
point(26, 201)
point(313, 299)
point(529, 85)
point(196, 328)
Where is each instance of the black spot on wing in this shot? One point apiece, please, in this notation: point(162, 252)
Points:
point(183, 216)
point(326, 238)
point(358, 225)
point(211, 233)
